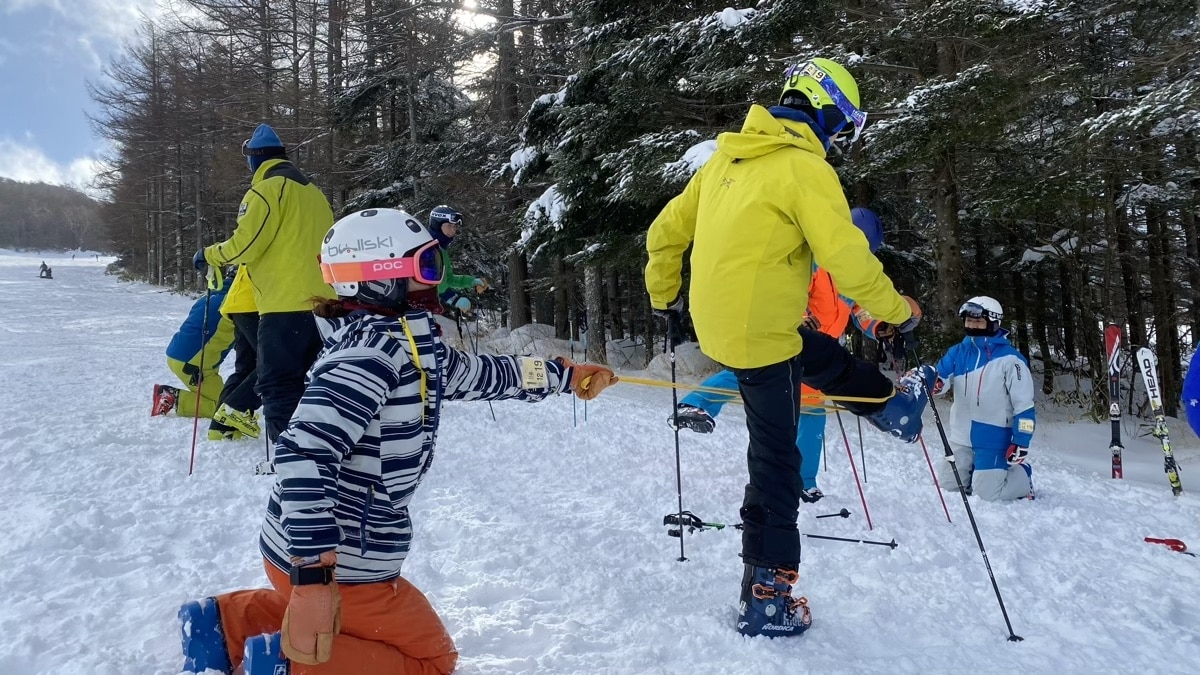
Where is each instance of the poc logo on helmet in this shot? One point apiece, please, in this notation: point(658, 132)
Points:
point(387, 266)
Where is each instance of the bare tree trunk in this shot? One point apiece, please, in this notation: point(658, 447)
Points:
point(947, 252)
point(562, 306)
point(1162, 300)
point(518, 294)
point(1040, 332)
point(614, 306)
point(265, 39)
point(593, 292)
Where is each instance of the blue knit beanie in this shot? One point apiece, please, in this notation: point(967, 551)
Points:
point(262, 145)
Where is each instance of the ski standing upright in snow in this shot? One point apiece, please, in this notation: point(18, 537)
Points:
point(1112, 347)
point(1148, 364)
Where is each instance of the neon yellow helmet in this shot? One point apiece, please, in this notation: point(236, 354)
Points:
point(829, 92)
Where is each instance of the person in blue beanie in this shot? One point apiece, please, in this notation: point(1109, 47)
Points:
point(281, 223)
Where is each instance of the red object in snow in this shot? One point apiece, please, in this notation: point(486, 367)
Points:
point(1174, 544)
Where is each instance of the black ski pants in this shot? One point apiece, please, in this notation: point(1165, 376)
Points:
point(288, 343)
point(771, 395)
point(239, 388)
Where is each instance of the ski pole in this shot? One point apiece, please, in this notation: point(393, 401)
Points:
point(674, 332)
point(850, 455)
point(937, 418)
point(843, 513)
point(574, 413)
point(933, 474)
point(210, 281)
point(889, 544)
point(862, 458)
point(694, 524)
point(473, 339)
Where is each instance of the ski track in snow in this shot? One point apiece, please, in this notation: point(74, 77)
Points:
point(541, 544)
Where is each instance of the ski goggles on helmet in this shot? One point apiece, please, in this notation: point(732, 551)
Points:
point(423, 264)
point(974, 311)
point(857, 117)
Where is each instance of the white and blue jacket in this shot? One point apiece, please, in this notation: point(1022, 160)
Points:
point(993, 393)
point(363, 437)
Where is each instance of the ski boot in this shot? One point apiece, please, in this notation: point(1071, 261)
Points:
point(203, 643)
point(691, 417)
point(812, 495)
point(244, 422)
point(1029, 472)
point(221, 432)
point(767, 606)
point(165, 399)
point(901, 417)
point(264, 656)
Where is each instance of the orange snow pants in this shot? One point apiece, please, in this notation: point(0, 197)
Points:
point(388, 628)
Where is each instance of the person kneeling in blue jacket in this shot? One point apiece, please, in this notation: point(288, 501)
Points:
point(992, 418)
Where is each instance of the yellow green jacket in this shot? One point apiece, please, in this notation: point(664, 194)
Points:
point(281, 224)
point(240, 298)
point(757, 214)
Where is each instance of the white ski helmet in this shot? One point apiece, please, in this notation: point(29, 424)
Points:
point(985, 307)
point(370, 255)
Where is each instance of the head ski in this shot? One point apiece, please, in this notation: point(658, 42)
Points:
point(1148, 364)
point(1112, 348)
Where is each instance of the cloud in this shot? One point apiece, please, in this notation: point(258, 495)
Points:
point(27, 163)
point(92, 26)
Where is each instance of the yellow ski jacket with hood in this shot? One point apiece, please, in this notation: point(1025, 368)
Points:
point(757, 214)
point(281, 224)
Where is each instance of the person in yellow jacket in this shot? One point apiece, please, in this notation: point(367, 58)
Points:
point(763, 209)
point(282, 221)
point(235, 415)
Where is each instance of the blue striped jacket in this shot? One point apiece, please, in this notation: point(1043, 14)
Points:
point(363, 436)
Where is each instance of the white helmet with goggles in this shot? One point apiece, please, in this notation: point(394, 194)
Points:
point(370, 255)
point(983, 307)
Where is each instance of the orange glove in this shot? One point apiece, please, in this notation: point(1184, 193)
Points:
point(587, 381)
point(313, 617)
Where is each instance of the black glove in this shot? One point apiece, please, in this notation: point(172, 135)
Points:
point(906, 329)
point(199, 261)
point(673, 315)
point(193, 374)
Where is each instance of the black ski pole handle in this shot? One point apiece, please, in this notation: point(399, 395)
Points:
point(843, 513)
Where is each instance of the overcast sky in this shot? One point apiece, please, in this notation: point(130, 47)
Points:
point(49, 49)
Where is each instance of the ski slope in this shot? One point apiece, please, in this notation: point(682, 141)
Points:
point(541, 543)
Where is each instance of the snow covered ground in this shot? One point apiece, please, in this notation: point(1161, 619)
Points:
point(541, 543)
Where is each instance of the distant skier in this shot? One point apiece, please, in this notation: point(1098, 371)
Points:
point(828, 312)
point(337, 528)
point(1191, 392)
point(196, 341)
point(992, 418)
point(45, 272)
point(760, 212)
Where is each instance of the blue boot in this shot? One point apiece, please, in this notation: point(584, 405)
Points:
point(203, 642)
point(264, 656)
point(901, 417)
point(767, 606)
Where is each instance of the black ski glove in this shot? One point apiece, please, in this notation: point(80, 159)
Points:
point(673, 315)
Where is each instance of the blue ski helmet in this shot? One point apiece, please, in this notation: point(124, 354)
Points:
point(866, 220)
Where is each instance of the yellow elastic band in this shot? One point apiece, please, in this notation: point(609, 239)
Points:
point(417, 362)
point(733, 394)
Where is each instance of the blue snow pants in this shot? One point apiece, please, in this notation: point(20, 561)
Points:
point(810, 435)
